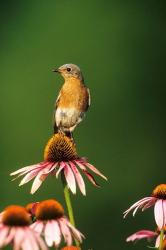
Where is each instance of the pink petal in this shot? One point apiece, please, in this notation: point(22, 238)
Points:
point(48, 234)
point(91, 178)
point(70, 178)
point(3, 234)
point(95, 170)
point(164, 211)
point(56, 232)
point(141, 235)
point(76, 233)
point(159, 213)
point(66, 232)
point(37, 227)
point(26, 244)
point(26, 169)
point(28, 177)
point(157, 242)
point(62, 165)
point(38, 181)
point(10, 236)
point(139, 203)
point(31, 239)
point(41, 242)
point(18, 239)
point(81, 166)
point(143, 205)
point(79, 178)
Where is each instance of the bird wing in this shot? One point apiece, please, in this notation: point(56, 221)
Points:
point(56, 105)
point(89, 98)
point(57, 100)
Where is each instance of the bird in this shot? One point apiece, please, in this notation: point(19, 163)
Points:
point(73, 100)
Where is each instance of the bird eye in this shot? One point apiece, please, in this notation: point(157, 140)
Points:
point(68, 69)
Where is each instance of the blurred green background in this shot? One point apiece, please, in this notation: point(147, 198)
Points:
point(121, 49)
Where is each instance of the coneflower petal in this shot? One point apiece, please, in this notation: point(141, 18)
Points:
point(141, 235)
point(95, 170)
point(159, 213)
point(66, 232)
point(57, 233)
point(48, 234)
point(91, 178)
point(37, 182)
point(18, 239)
point(79, 178)
point(70, 179)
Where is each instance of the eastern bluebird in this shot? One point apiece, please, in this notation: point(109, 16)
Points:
point(73, 99)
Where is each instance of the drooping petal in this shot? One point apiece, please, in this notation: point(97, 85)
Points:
point(141, 235)
point(37, 182)
point(164, 211)
point(41, 242)
point(48, 234)
point(28, 177)
point(143, 205)
point(56, 233)
point(79, 178)
point(139, 203)
point(18, 238)
point(157, 242)
point(37, 226)
point(66, 232)
point(76, 233)
point(149, 204)
point(32, 240)
point(4, 230)
point(91, 178)
point(95, 170)
point(10, 236)
point(159, 213)
point(62, 165)
point(28, 168)
point(70, 178)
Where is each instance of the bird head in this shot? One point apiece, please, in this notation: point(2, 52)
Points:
point(69, 71)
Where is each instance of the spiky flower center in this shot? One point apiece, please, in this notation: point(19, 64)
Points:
point(49, 210)
point(71, 248)
point(60, 148)
point(16, 216)
point(160, 192)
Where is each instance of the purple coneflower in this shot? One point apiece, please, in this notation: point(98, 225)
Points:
point(158, 200)
point(15, 230)
point(60, 156)
point(53, 224)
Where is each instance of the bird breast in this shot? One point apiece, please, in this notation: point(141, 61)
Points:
point(67, 117)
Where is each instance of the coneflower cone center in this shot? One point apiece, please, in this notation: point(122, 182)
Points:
point(160, 192)
point(60, 148)
point(49, 210)
point(16, 216)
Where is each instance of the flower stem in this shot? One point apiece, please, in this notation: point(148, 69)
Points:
point(161, 239)
point(69, 205)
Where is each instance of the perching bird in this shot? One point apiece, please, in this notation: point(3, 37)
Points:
point(73, 99)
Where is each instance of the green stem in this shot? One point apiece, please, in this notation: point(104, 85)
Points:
point(69, 206)
point(161, 239)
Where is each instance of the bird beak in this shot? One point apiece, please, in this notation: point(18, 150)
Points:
point(56, 70)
